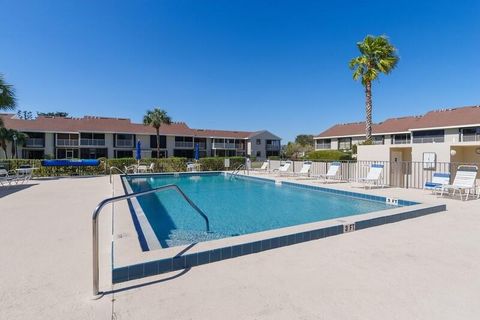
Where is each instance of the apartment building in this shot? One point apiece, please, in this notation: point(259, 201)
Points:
point(447, 135)
point(94, 137)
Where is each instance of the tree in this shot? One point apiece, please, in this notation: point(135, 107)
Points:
point(58, 114)
point(4, 138)
point(20, 138)
point(377, 56)
point(7, 97)
point(156, 118)
point(24, 114)
point(304, 140)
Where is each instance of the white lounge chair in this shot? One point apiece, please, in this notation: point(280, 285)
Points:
point(439, 179)
point(131, 169)
point(151, 168)
point(331, 173)
point(264, 168)
point(6, 178)
point(305, 170)
point(142, 168)
point(465, 179)
point(284, 168)
point(373, 177)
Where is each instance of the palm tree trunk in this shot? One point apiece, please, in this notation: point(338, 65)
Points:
point(158, 142)
point(368, 111)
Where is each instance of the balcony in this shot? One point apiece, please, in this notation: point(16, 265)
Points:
point(222, 145)
point(321, 146)
point(67, 142)
point(470, 137)
point(436, 139)
point(125, 143)
point(35, 142)
point(184, 144)
point(92, 142)
point(273, 147)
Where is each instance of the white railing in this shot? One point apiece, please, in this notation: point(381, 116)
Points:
point(92, 142)
point(221, 145)
point(428, 139)
point(183, 144)
point(322, 146)
point(124, 143)
point(67, 142)
point(401, 141)
point(470, 137)
point(35, 142)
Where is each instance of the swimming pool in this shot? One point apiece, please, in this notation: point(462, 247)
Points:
point(236, 206)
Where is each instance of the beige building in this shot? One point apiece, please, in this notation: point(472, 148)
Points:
point(94, 137)
point(447, 135)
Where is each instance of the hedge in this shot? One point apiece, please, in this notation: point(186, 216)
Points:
point(161, 165)
point(329, 155)
point(218, 163)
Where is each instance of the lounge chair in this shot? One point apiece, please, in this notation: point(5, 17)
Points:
point(142, 168)
point(131, 169)
point(331, 173)
point(284, 168)
point(373, 177)
point(6, 178)
point(264, 168)
point(465, 179)
point(305, 170)
point(439, 179)
point(151, 168)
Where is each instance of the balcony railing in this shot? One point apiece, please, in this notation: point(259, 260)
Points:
point(35, 142)
point(401, 141)
point(323, 146)
point(67, 142)
point(470, 137)
point(92, 142)
point(428, 139)
point(273, 147)
point(124, 143)
point(201, 145)
point(183, 144)
point(221, 145)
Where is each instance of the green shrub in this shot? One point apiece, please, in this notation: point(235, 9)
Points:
point(274, 158)
point(218, 164)
point(329, 155)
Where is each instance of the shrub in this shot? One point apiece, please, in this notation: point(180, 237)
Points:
point(274, 158)
point(329, 155)
point(218, 164)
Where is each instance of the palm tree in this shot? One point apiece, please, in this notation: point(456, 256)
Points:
point(20, 139)
point(4, 138)
point(156, 118)
point(377, 56)
point(7, 97)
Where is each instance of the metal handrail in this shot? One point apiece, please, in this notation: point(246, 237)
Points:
point(119, 170)
point(102, 204)
point(237, 170)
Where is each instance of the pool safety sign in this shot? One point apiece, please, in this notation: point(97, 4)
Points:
point(227, 163)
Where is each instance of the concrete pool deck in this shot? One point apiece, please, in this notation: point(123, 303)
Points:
point(423, 268)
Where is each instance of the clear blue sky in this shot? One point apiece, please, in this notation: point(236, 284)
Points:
point(246, 65)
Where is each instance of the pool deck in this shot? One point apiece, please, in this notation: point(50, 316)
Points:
point(422, 268)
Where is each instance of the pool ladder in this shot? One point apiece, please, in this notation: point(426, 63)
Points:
point(119, 170)
point(237, 170)
point(102, 204)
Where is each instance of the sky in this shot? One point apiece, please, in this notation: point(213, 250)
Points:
point(240, 65)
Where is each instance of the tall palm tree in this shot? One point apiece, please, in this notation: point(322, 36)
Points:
point(7, 97)
point(378, 55)
point(20, 139)
point(156, 118)
point(4, 138)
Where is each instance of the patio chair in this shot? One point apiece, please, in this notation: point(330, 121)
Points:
point(6, 178)
point(263, 169)
point(283, 170)
point(142, 168)
point(439, 179)
point(465, 180)
point(331, 173)
point(131, 169)
point(373, 177)
point(151, 168)
point(305, 170)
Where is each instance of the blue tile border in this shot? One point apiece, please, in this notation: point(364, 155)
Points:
point(151, 268)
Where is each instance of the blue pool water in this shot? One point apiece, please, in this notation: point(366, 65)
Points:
point(236, 206)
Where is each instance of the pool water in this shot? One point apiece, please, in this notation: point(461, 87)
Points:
point(236, 206)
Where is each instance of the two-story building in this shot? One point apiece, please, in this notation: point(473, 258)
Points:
point(94, 137)
point(447, 135)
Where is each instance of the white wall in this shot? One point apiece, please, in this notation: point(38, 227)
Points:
point(373, 153)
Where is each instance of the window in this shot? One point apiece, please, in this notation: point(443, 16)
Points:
point(123, 154)
point(163, 142)
point(93, 153)
point(259, 142)
point(163, 154)
point(323, 143)
point(183, 153)
point(33, 154)
point(401, 138)
point(378, 139)
point(259, 154)
point(429, 136)
point(470, 134)
point(344, 143)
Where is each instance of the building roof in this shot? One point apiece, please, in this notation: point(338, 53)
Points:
point(111, 125)
point(463, 116)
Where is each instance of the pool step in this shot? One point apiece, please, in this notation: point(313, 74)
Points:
point(182, 237)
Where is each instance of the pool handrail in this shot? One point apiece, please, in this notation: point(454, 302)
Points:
point(119, 170)
point(103, 203)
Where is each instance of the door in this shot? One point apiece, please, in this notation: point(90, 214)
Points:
point(396, 169)
point(69, 154)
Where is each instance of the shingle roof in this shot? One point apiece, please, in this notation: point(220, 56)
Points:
point(112, 125)
point(440, 118)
